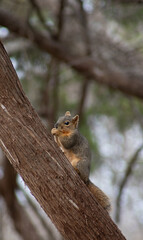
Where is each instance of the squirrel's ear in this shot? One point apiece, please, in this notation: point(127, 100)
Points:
point(67, 113)
point(75, 120)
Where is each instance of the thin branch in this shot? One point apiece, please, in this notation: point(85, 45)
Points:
point(40, 15)
point(85, 27)
point(55, 68)
point(84, 89)
point(60, 19)
point(50, 94)
point(45, 94)
point(124, 181)
point(137, 112)
point(83, 97)
point(55, 91)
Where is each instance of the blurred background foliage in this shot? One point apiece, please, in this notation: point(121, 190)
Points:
point(111, 33)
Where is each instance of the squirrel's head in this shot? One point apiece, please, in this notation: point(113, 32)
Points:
point(67, 123)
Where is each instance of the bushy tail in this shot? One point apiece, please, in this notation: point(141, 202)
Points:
point(100, 196)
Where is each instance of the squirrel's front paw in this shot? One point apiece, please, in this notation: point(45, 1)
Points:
point(54, 131)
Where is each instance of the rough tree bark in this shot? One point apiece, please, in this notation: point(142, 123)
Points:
point(44, 168)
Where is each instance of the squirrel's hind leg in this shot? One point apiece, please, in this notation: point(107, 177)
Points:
point(83, 169)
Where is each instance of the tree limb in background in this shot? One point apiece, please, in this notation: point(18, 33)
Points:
point(123, 182)
point(83, 97)
point(129, 82)
point(85, 27)
point(50, 235)
point(51, 91)
point(44, 168)
point(55, 91)
point(56, 65)
point(60, 19)
point(85, 85)
point(40, 15)
point(137, 112)
point(50, 94)
point(18, 215)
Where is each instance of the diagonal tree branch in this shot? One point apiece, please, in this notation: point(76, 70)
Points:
point(84, 23)
point(129, 82)
point(50, 94)
point(44, 168)
point(40, 15)
point(124, 181)
point(60, 18)
point(83, 97)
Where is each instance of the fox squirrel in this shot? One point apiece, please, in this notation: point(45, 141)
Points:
point(76, 149)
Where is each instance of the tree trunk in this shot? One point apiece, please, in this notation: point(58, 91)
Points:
point(44, 168)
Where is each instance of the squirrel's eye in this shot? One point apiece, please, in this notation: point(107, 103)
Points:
point(67, 123)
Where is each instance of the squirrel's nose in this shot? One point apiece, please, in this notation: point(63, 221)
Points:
point(56, 125)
